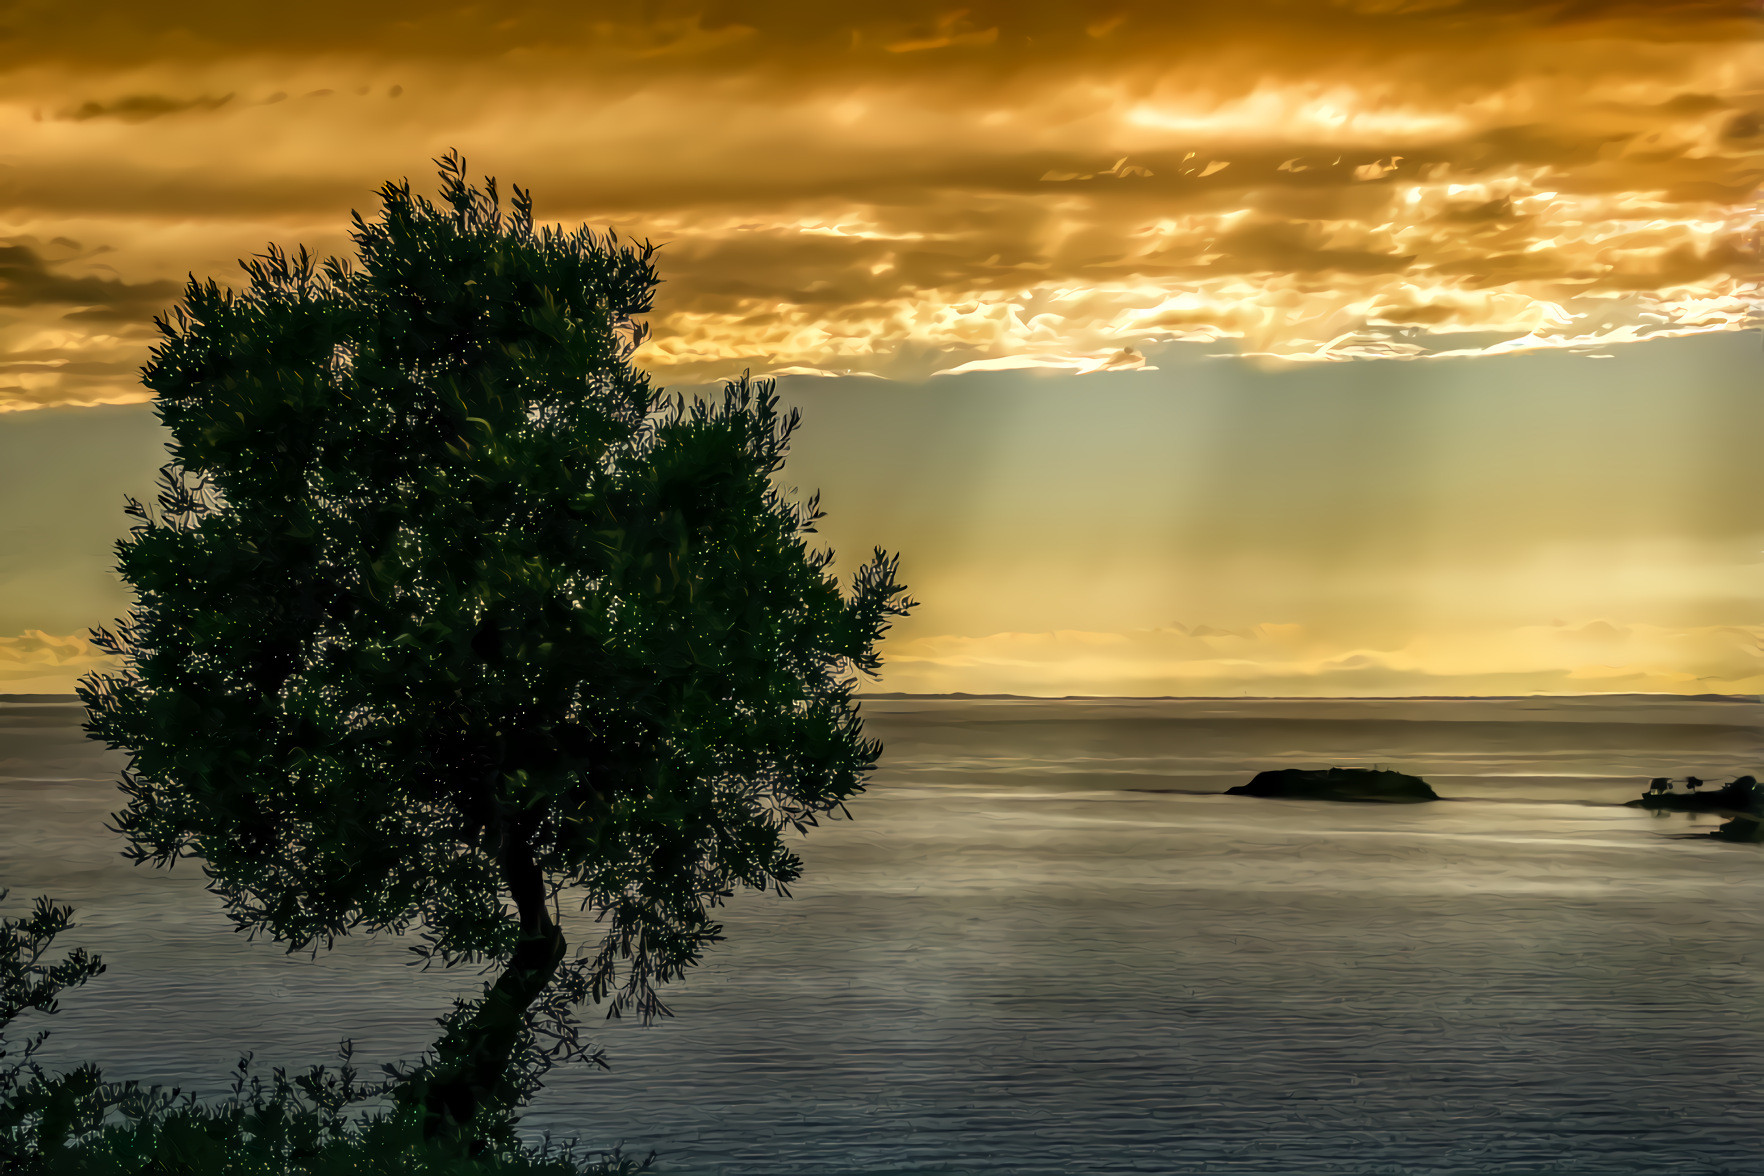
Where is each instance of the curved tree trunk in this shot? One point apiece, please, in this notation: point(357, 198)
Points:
point(477, 1059)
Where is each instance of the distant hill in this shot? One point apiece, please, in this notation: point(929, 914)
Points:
point(1659, 696)
point(897, 696)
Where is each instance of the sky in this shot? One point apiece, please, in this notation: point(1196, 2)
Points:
point(1309, 347)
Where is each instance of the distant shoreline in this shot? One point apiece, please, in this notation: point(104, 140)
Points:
point(1660, 696)
point(957, 696)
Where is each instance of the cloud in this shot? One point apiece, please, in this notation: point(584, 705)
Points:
point(1120, 170)
point(36, 662)
point(27, 279)
point(904, 188)
point(136, 108)
point(72, 337)
point(1288, 659)
point(1124, 360)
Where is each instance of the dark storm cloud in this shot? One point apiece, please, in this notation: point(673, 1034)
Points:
point(28, 279)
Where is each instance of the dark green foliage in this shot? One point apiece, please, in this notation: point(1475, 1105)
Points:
point(444, 609)
point(277, 1129)
point(36, 1107)
point(26, 981)
point(76, 1123)
point(235, 1140)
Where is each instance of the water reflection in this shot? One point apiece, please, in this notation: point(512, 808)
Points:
point(1061, 956)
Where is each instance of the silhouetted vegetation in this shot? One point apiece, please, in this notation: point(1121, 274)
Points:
point(1348, 784)
point(1745, 827)
point(35, 1106)
point(77, 1123)
point(446, 611)
point(1740, 800)
point(1736, 796)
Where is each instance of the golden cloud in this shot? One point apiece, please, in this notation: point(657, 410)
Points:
point(36, 662)
point(1293, 660)
point(1270, 659)
point(907, 188)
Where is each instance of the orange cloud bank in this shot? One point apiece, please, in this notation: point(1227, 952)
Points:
point(904, 189)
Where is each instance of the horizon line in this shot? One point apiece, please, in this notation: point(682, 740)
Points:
point(904, 696)
point(1652, 694)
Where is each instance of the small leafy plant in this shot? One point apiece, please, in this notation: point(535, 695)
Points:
point(78, 1124)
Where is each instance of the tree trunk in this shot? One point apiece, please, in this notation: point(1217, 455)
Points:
point(474, 1063)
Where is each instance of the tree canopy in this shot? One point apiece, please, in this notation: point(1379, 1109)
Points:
point(445, 611)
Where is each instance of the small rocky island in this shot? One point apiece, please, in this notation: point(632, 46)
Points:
point(1741, 801)
point(1350, 784)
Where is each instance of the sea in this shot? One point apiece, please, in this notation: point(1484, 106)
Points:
point(1045, 943)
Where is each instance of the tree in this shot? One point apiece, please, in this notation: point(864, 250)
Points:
point(75, 1123)
point(37, 1110)
point(445, 610)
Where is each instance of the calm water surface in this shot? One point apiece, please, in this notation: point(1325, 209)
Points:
point(1045, 944)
